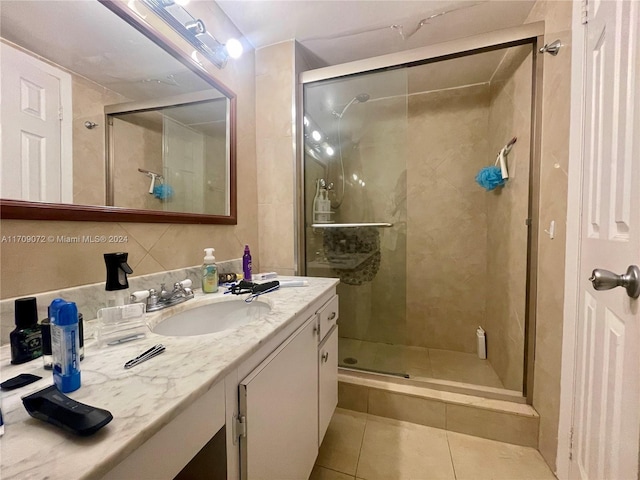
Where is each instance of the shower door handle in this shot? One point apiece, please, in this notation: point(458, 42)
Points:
point(606, 280)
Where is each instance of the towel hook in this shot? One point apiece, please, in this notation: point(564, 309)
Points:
point(552, 48)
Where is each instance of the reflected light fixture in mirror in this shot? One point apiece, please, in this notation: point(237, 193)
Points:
point(192, 29)
point(132, 69)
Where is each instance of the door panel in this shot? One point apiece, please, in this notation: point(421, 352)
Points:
point(34, 127)
point(606, 408)
point(327, 381)
point(280, 402)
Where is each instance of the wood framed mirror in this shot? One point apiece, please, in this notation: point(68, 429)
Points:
point(113, 62)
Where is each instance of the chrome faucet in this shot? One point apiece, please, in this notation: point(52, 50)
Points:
point(157, 300)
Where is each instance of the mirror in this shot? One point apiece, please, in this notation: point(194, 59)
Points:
point(109, 121)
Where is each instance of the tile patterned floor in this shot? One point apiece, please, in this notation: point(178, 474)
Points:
point(359, 446)
point(418, 362)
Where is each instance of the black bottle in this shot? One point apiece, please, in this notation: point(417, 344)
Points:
point(26, 339)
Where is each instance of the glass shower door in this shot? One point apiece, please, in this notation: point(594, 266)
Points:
point(355, 210)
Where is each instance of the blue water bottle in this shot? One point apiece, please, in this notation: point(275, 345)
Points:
point(65, 345)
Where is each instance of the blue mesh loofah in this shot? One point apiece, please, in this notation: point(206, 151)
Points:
point(490, 178)
point(163, 191)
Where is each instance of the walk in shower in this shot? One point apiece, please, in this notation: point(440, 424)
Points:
point(426, 254)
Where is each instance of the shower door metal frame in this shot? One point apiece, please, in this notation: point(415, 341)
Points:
point(532, 33)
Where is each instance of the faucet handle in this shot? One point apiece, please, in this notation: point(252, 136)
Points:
point(184, 287)
point(140, 295)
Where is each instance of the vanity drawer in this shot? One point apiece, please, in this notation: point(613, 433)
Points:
point(328, 316)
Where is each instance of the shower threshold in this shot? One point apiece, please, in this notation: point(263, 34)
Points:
point(410, 384)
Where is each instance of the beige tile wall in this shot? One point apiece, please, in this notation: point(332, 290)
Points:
point(29, 268)
point(446, 217)
point(275, 81)
point(553, 206)
point(89, 100)
point(507, 210)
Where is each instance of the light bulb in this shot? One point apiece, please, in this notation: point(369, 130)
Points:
point(195, 56)
point(316, 135)
point(305, 120)
point(355, 177)
point(330, 151)
point(234, 48)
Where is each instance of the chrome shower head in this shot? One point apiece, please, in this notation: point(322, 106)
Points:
point(360, 98)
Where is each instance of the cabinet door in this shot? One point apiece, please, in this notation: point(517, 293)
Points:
point(280, 402)
point(327, 381)
point(328, 316)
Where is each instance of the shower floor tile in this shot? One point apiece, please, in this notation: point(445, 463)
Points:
point(392, 449)
point(417, 362)
point(463, 367)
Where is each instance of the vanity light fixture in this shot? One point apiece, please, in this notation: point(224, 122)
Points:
point(194, 31)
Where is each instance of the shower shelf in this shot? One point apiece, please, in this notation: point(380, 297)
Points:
point(352, 225)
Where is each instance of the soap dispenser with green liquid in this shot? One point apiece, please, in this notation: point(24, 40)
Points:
point(209, 272)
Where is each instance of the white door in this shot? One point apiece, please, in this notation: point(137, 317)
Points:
point(606, 408)
point(36, 162)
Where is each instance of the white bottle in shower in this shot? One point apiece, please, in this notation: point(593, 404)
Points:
point(326, 205)
point(317, 204)
point(321, 203)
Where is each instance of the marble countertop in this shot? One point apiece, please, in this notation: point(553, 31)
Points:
point(142, 399)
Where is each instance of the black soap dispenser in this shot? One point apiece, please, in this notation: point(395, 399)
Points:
point(117, 283)
point(26, 339)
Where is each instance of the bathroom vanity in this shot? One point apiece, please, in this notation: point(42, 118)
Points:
point(255, 400)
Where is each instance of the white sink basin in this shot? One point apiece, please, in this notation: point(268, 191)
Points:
point(211, 318)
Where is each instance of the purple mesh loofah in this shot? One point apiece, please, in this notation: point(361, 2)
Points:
point(490, 178)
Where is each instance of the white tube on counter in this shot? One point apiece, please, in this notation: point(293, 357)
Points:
point(294, 283)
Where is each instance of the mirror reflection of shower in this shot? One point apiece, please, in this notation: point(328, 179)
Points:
point(360, 98)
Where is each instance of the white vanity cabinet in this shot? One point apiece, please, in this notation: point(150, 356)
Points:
point(286, 400)
point(280, 402)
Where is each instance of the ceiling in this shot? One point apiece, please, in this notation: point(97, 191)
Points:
point(334, 32)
